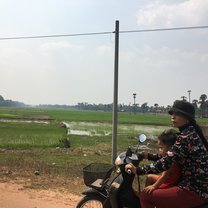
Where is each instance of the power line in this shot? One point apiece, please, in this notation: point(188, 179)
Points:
point(165, 29)
point(102, 33)
point(54, 36)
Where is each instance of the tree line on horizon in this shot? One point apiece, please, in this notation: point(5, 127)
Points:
point(201, 106)
point(11, 103)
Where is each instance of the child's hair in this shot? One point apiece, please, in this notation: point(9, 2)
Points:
point(168, 137)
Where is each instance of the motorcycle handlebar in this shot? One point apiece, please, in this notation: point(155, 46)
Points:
point(129, 171)
point(128, 159)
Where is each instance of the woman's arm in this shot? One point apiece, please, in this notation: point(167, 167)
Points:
point(179, 151)
point(160, 165)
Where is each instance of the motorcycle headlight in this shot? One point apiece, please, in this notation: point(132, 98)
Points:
point(118, 161)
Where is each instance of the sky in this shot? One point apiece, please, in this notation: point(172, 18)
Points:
point(159, 67)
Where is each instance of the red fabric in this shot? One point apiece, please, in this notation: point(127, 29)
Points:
point(171, 197)
point(173, 177)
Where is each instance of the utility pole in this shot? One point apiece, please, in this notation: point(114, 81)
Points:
point(115, 94)
point(134, 96)
point(183, 98)
point(189, 95)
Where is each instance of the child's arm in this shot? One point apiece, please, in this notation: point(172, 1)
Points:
point(149, 189)
point(153, 157)
point(161, 180)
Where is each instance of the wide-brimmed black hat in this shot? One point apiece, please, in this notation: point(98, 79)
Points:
point(183, 107)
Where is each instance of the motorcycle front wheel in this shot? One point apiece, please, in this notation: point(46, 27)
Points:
point(91, 202)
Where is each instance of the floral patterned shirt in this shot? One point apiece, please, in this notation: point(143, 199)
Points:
point(192, 156)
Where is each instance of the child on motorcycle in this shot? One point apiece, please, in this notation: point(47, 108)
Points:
point(169, 177)
point(190, 151)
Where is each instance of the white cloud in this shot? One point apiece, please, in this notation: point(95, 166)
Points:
point(160, 14)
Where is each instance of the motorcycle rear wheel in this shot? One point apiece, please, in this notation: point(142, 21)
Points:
point(91, 202)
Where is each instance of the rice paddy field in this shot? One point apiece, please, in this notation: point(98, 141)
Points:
point(33, 140)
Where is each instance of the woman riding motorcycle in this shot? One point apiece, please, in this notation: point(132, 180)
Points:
point(190, 152)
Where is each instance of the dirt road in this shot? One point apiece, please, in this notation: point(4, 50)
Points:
point(16, 195)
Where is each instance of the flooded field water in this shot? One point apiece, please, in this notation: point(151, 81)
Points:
point(105, 129)
point(100, 129)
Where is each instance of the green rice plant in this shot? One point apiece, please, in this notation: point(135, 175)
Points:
point(89, 116)
point(23, 113)
point(25, 135)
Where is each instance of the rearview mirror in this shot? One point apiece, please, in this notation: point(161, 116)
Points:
point(142, 138)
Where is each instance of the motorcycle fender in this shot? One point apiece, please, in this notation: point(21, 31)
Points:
point(94, 192)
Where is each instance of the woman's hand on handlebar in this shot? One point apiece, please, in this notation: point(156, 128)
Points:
point(131, 167)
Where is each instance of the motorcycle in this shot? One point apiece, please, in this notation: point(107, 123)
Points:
point(110, 186)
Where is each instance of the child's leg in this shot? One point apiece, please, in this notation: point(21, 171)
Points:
point(151, 179)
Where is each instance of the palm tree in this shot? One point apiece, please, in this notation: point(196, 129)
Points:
point(144, 107)
point(183, 98)
point(156, 107)
point(202, 103)
point(195, 104)
point(206, 104)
